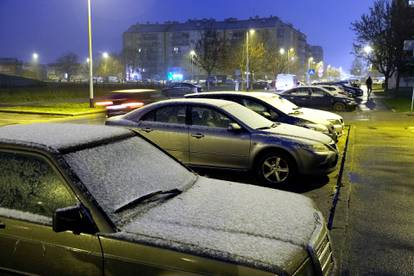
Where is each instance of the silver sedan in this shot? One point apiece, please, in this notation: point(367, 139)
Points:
point(221, 134)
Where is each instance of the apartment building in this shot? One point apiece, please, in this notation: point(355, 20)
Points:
point(161, 51)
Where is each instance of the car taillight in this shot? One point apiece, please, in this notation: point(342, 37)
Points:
point(104, 103)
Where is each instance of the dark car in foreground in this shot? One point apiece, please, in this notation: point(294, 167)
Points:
point(212, 133)
point(96, 200)
point(318, 97)
point(122, 101)
point(276, 109)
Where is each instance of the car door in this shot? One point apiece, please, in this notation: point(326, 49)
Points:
point(320, 98)
point(166, 126)
point(31, 189)
point(300, 96)
point(212, 144)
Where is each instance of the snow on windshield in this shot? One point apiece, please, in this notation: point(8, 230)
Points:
point(247, 116)
point(280, 103)
point(120, 172)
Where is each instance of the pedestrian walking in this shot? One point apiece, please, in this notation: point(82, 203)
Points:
point(368, 82)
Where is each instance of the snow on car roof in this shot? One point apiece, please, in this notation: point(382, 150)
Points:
point(215, 102)
point(59, 136)
point(254, 94)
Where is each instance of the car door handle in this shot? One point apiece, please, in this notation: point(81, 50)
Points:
point(146, 129)
point(2, 225)
point(197, 135)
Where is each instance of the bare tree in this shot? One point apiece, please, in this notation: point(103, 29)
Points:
point(68, 64)
point(209, 50)
point(385, 28)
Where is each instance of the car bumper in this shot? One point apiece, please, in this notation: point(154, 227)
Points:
point(318, 164)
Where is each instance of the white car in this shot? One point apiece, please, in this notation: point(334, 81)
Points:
point(285, 81)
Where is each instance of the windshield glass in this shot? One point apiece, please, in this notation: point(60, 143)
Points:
point(118, 173)
point(280, 103)
point(247, 116)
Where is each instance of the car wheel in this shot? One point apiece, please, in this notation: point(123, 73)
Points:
point(339, 107)
point(275, 169)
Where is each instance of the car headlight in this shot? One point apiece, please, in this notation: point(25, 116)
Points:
point(316, 127)
point(318, 148)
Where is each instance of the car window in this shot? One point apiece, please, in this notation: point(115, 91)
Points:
point(255, 106)
point(170, 114)
point(299, 92)
point(318, 93)
point(204, 116)
point(28, 183)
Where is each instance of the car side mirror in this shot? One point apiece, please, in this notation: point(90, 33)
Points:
point(74, 218)
point(234, 127)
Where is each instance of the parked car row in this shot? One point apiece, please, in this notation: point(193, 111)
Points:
point(214, 133)
point(99, 200)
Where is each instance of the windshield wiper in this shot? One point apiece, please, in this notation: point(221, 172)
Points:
point(170, 193)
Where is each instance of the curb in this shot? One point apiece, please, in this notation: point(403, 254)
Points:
point(52, 113)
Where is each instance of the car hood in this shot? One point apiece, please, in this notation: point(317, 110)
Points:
point(316, 113)
point(243, 224)
point(299, 132)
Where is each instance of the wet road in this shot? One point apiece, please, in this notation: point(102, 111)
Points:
point(380, 175)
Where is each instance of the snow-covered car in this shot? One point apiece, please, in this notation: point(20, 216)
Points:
point(219, 134)
point(97, 200)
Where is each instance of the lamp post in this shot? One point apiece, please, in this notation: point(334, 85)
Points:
point(251, 31)
point(91, 104)
point(310, 60)
point(192, 54)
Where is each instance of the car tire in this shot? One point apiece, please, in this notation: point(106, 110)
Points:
point(339, 107)
point(275, 169)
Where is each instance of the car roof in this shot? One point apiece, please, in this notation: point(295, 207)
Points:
point(133, 91)
point(60, 137)
point(214, 102)
point(237, 93)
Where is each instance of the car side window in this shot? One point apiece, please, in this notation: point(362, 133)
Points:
point(204, 116)
point(318, 93)
point(170, 114)
point(28, 183)
point(299, 92)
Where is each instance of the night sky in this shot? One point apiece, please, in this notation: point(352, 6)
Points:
point(54, 27)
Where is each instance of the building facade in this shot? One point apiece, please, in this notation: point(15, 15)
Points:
point(164, 51)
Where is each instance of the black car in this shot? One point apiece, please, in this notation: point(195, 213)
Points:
point(352, 91)
point(318, 97)
point(179, 89)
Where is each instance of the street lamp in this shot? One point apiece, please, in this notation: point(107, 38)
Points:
point(105, 55)
point(368, 49)
point(192, 54)
point(310, 60)
point(251, 31)
point(35, 56)
point(91, 104)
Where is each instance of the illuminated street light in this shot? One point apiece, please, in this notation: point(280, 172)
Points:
point(282, 51)
point(251, 31)
point(368, 49)
point(192, 54)
point(87, 60)
point(105, 55)
point(91, 104)
point(35, 56)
